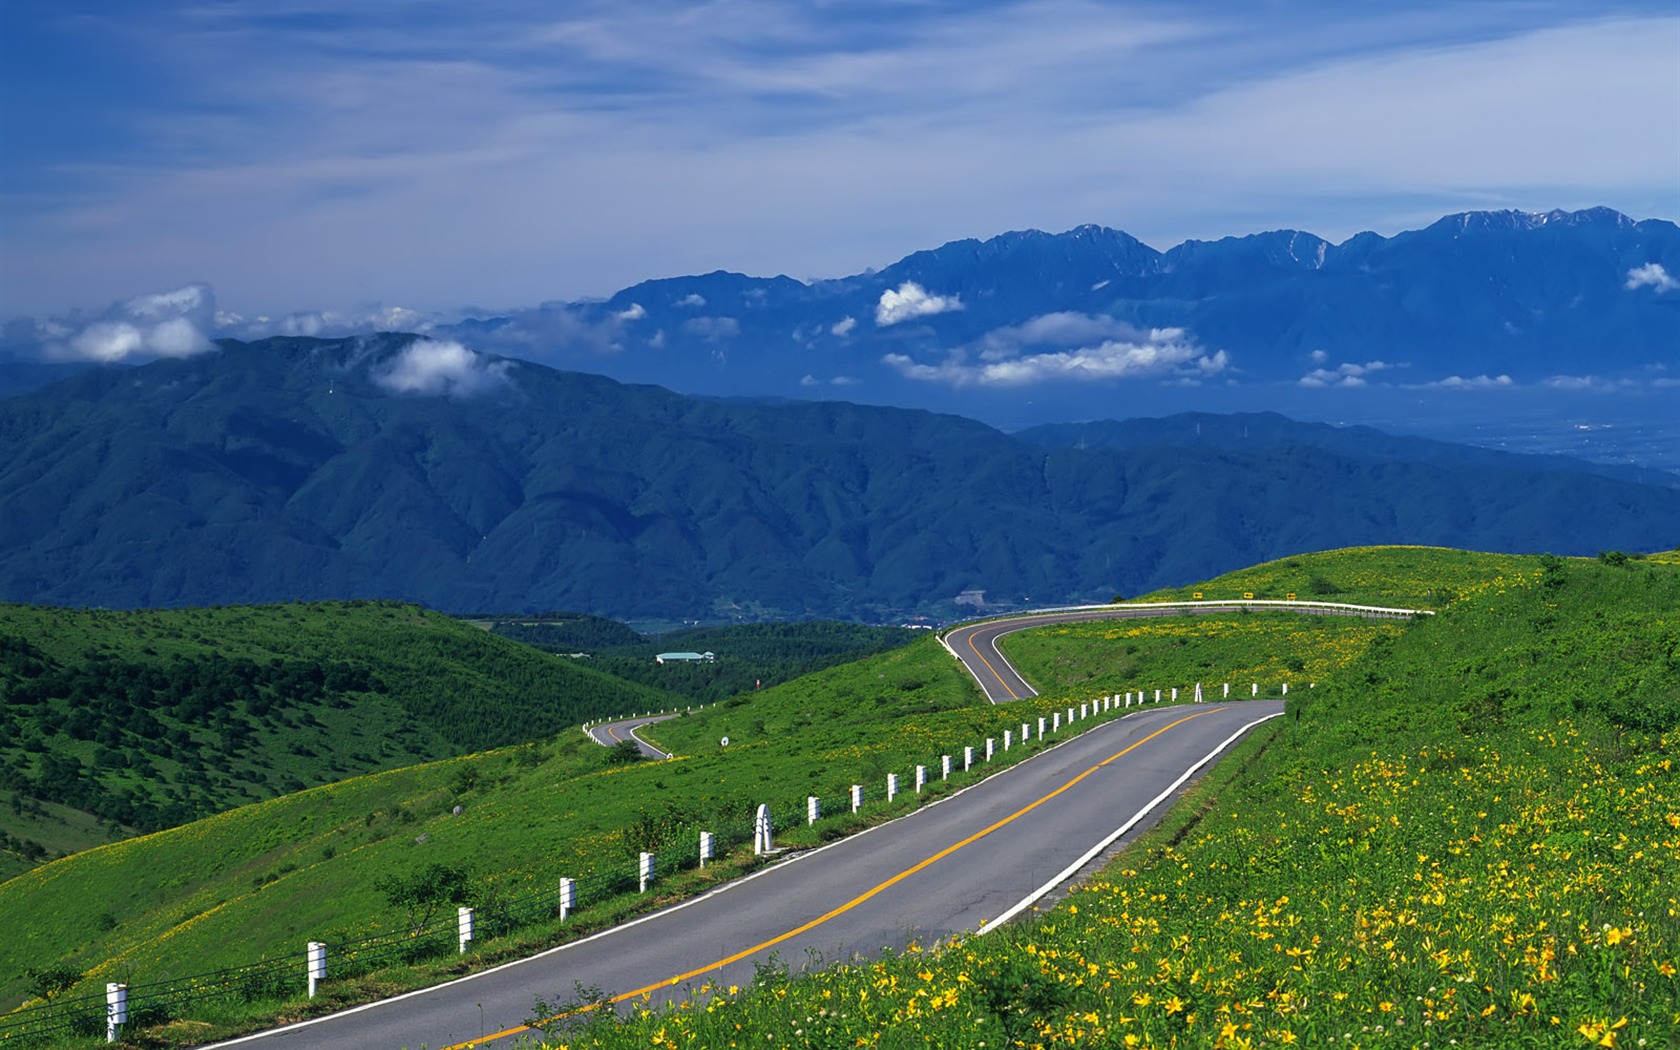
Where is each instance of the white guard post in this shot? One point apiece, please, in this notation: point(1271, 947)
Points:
point(644, 871)
point(921, 778)
point(813, 809)
point(464, 926)
point(762, 830)
point(707, 844)
point(568, 897)
point(892, 786)
point(317, 966)
point(116, 1010)
point(857, 797)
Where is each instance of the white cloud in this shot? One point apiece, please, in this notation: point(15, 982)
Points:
point(910, 301)
point(1347, 375)
point(634, 312)
point(809, 380)
point(443, 369)
point(1319, 357)
point(693, 300)
point(1111, 359)
point(713, 329)
point(844, 326)
point(1652, 274)
point(844, 381)
point(1476, 382)
point(1068, 346)
point(167, 324)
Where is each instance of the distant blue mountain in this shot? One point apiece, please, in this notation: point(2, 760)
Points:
point(1029, 327)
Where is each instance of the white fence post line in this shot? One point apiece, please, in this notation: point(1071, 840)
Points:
point(968, 758)
point(1055, 723)
point(1286, 689)
point(813, 809)
point(1227, 690)
point(464, 926)
point(116, 1010)
point(568, 897)
point(707, 845)
point(1254, 689)
point(1175, 694)
point(644, 872)
point(1041, 727)
point(1198, 692)
point(1006, 741)
point(944, 767)
point(857, 797)
point(892, 786)
point(1157, 696)
point(317, 966)
point(990, 748)
point(1070, 716)
point(1025, 732)
point(921, 778)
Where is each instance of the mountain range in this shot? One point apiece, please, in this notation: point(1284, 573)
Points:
point(1479, 320)
point(399, 466)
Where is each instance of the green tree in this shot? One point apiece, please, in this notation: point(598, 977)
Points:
point(422, 892)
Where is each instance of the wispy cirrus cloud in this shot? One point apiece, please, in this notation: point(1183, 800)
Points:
point(559, 152)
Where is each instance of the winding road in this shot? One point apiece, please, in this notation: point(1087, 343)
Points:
point(616, 732)
point(956, 867)
point(976, 644)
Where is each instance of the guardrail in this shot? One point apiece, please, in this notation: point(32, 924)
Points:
point(288, 975)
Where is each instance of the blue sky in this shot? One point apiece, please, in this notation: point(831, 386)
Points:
point(373, 154)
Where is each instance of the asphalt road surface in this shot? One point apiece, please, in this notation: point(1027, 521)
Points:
point(976, 644)
point(951, 867)
point(609, 733)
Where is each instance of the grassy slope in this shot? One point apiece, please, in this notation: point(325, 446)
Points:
point(1470, 836)
point(1409, 577)
point(271, 885)
point(427, 686)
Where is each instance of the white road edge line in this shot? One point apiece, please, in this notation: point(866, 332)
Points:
point(1073, 869)
point(724, 888)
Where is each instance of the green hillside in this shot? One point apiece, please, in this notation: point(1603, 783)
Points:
point(112, 722)
point(1467, 837)
point(263, 879)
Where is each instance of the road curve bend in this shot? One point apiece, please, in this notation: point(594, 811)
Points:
point(976, 644)
point(616, 732)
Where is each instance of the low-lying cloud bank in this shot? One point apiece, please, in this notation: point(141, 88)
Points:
point(1067, 346)
point(443, 369)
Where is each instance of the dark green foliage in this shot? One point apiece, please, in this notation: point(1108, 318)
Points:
point(421, 892)
point(48, 981)
point(624, 753)
point(146, 720)
point(283, 469)
point(749, 656)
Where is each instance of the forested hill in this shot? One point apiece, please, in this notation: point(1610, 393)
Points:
point(149, 719)
point(400, 467)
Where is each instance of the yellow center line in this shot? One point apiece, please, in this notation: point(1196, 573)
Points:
point(842, 909)
point(977, 652)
